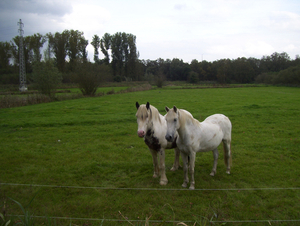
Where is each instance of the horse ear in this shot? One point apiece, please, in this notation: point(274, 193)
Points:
point(175, 109)
point(167, 109)
point(137, 105)
point(148, 105)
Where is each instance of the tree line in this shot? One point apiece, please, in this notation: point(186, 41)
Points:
point(67, 51)
point(241, 70)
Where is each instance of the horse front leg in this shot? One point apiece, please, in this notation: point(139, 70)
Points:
point(163, 177)
point(185, 160)
point(155, 163)
point(192, 169)
point(176, 160)
point(216, 156)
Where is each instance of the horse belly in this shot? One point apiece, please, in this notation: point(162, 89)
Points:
point(210, 140)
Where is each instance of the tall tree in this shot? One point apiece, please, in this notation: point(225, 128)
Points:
point(205, 73)
point(243, 71)
point(223, 71)
point(131, 57)
point(117, 52)
point(77, 47)
point(59, 46)
point(36, 42)
point(5, 54)
point(105, 45)
point(26, 48)
point(280, 61)
point(179, 70)
point(96, 44)
point(82, 48)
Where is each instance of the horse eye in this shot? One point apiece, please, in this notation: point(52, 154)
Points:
point(175, 119)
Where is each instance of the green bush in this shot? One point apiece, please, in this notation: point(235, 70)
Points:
point(289, 76)
point(88, 78)
point(46, 77)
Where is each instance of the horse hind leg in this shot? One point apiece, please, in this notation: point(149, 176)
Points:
point(216, 156)
point(227, 155)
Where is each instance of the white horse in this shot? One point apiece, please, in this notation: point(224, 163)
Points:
point(195, 136)
point(152, 126)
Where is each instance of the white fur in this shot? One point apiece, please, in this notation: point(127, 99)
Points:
point(150, 118)
point(195, 136)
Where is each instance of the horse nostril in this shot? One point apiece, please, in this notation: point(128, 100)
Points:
point(141, 133)
point(168, 137)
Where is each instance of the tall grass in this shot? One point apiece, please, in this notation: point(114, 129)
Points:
point(89, 151)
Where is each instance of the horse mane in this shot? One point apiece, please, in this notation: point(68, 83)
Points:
point(187, 116)
point(143, 112)
point(155, 113)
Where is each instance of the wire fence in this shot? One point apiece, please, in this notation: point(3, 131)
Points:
point(158, 189)
point(150, 189)
point(160, 221)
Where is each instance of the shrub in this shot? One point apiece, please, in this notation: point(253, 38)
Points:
point(289, 76)
point(46, 77)
point(117, 78)
point(88, 78)
point(160, 80)
point(267, 78)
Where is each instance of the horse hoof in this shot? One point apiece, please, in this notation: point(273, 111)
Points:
point(184, 185)
point(192, 187)
point(212, 174)
point(174, 168)
point(163, 182)
point(228, 172)
point(155, 175)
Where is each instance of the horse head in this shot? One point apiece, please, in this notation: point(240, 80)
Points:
point(144, 116)
point(172, 118)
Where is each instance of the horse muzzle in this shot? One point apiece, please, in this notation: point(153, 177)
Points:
point(141, 133)
point(169, 138)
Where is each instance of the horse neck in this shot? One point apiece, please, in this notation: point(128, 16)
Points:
point(186, 121)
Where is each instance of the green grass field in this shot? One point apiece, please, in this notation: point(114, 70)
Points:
point(88, 152)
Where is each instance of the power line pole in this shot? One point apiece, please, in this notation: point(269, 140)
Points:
point(23, 86)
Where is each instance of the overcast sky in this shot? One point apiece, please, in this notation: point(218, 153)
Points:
point(167, 29)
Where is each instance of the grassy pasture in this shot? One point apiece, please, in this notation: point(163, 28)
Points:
point(91, 144)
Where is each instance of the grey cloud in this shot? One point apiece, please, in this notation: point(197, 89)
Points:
point(54, 7)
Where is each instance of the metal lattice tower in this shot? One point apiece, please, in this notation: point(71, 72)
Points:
point(23, 86)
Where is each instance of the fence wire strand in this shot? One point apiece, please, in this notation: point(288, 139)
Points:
point(156, 189)
point(149, 189)
point(159, 221)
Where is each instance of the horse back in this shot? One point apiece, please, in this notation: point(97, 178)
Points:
point(223, 122)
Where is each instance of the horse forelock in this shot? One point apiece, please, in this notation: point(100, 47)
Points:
point(143, 112)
